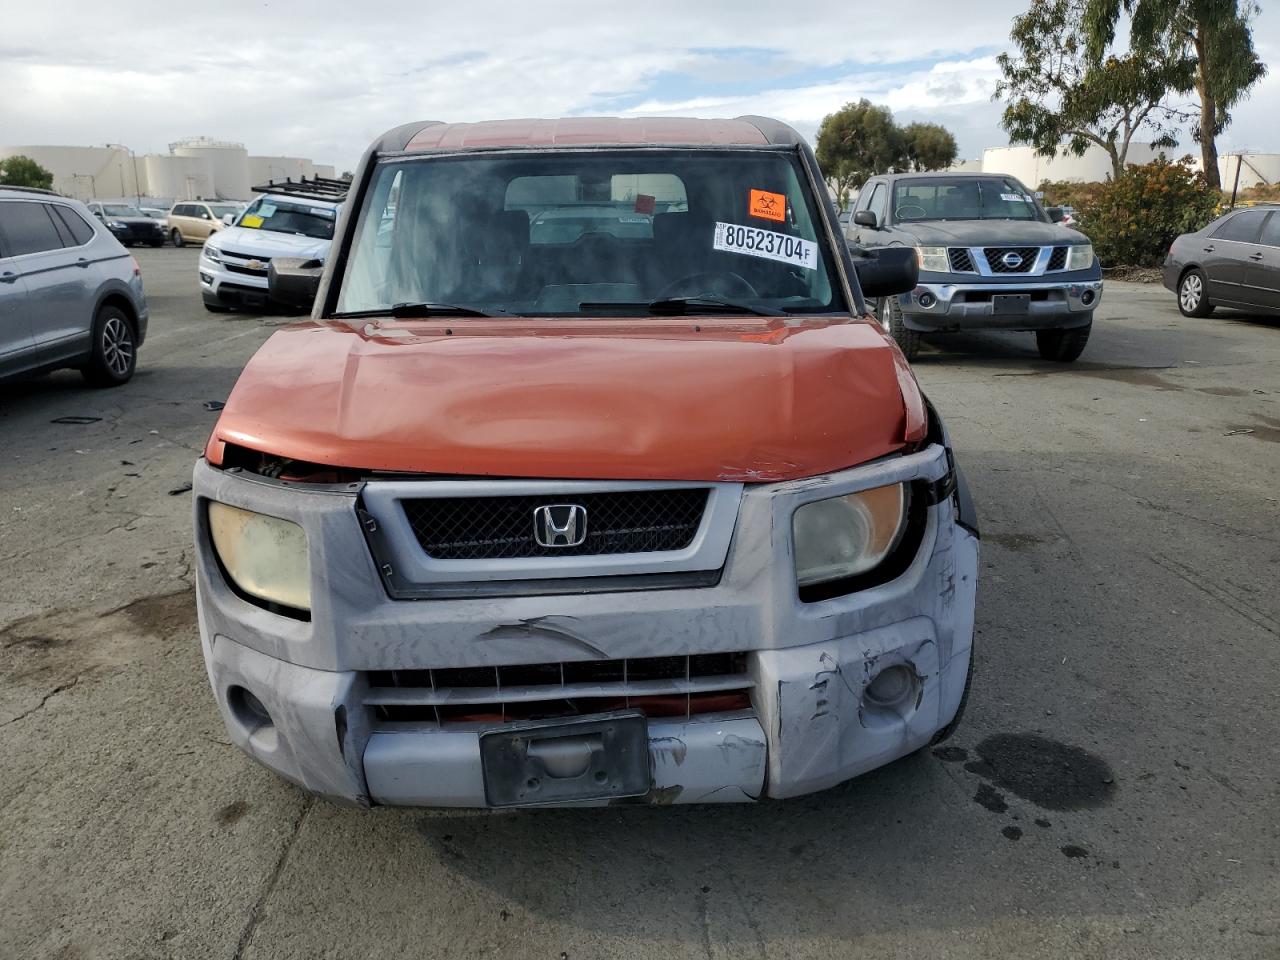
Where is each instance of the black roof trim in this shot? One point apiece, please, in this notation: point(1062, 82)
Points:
point(397, 138)
point(775, 131)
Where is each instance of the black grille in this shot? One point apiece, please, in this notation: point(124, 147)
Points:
point(995, 258)
point(1057, 259)
point(236, 268)
point(502, 528)
point(245, 256)
point(961, 261)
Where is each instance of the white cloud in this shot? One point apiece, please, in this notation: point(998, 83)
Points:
point(323, 80)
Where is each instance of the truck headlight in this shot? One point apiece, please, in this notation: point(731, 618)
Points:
point(1080, 256)
point(265, 557)
point(211, 253)
point(845, 536)
point(933, 259)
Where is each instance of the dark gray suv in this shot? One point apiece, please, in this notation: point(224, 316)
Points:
point(70, 294)
point(990, 258)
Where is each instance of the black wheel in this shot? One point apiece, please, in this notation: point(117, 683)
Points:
point(115, 352)
point(1063, 345)
point(946, 732)
point(890, 314)
point(1193, 291)
point(175, 237)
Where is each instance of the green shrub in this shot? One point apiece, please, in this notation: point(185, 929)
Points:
point(1132, 220)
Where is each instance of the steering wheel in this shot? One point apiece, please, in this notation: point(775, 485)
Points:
point(911, 206)
point(726, 284)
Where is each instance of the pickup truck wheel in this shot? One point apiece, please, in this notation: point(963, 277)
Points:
point(115, 349)
point(890, 314)
point(1064, 345)
point(1192, 301)
point(175, 237)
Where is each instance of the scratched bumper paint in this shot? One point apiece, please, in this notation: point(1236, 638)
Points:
point(812, 727)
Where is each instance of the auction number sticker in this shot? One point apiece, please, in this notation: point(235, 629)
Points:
point(766, 244)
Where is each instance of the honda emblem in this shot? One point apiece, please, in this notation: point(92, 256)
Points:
point(560, 525)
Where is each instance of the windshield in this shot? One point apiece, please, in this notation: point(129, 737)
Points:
point(963, 198)
point(586, 233)
point(220, 210)
point(120, 210)
point(281, 215)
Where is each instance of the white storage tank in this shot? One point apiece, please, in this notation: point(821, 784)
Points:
point(262, 169)
point(1256, 169)
point(326, 171)
point(84, 172)
point(1095, 166)
point(182, 178)
point(228, 161)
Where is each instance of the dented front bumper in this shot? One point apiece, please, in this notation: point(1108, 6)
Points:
point(811, 723)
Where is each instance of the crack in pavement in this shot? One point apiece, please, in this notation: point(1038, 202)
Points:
point(255, 912)
point(43, 700)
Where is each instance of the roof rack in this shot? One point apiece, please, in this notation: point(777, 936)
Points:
point(7, 186)
point(315, 188)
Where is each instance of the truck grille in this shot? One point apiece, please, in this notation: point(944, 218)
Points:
point(675, 686)
point(1026, 259)
point(961, 260)
point(1057, 259)
point(501, 528)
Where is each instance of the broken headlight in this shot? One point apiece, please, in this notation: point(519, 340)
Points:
point(265, 557)
point(845, 536)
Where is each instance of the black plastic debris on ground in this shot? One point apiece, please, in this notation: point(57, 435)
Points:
point(77, 421)
point(176, 491)
point(214, 404)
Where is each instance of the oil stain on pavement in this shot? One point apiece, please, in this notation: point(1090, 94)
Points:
point(1052, 775)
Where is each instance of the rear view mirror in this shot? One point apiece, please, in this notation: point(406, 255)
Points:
point(885, 271)
point(293, 282)
point(865, 218)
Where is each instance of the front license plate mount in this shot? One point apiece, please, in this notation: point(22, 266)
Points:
point(597, 757)
point(1011, 304)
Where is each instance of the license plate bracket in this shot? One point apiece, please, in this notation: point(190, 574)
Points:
point(1010, 304)
point(597, 757)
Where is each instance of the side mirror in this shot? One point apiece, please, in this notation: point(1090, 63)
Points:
point(1055, 214)
point(865, 218)
point(228, 218)
point(293, 281)
point(885, 271)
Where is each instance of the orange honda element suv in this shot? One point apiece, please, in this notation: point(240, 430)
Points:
point(590, 479)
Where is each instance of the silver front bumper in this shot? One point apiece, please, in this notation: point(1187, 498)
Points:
point(968, 306)
point(810, 725)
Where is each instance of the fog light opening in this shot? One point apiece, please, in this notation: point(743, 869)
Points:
point(1087, 297)
point(926, 300)
point(891, 687)
point(248, 710)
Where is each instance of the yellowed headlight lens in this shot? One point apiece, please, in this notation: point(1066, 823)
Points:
point(845, 536)
point(266, 557)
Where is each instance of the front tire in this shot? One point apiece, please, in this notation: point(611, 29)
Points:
point(1193, 289)
point(175, 237)
point(1064, 346)
point(115, 349)
point(890, 314)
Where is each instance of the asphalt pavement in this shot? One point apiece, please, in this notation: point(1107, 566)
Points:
point(1112, 792)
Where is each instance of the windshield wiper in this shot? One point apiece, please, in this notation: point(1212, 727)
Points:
point(674, 306)
point(406, 310)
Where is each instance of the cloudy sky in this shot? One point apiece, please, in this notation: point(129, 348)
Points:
point(325, 82)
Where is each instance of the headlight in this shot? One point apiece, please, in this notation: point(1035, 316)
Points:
point(1080, 256)
point(265, 557)
point(848, 535)
point(115, 225)
point(211, 253)
point(933, 259)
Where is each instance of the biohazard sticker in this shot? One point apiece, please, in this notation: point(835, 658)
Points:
point(766, 244)
point(768, 206)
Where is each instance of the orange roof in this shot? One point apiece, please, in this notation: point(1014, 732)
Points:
point(586, 131)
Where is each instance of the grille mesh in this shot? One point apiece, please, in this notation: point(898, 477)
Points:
point(961, 260)
point(502, 528)
point(1057, 259)
point(996, 262)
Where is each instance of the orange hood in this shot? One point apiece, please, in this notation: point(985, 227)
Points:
point(758, 399)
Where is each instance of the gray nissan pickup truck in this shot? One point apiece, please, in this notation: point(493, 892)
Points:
point(990, 259)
